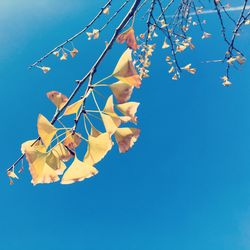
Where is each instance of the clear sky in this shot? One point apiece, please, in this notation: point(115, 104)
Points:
point(184, 186)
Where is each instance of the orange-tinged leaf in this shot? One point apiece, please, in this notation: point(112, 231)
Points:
point(78, 171)
point(72, 141)
point(129, 109)
point(125, 70)
point(12, 174)
point(129, 37)
point(57, 98)
point(122, 91)
point(62, 152)
point(126, 137)
point(45, 130)
point(74, 52)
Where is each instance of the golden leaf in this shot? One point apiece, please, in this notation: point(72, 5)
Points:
point(64, 56)
point(45, 69)
point(62, 152)
point(129, 37)
point(12, 174)
point(129, 109)
point(74, 52)
point(125, 70)
point(106, 10)
point(73, 108)
point(78, 171)
point(122, 91)
point(45, 130)
point(97, 148)
point(57, 98)
point(126, 137)
point(72, 141)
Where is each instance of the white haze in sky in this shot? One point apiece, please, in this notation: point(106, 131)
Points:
point(231, 9)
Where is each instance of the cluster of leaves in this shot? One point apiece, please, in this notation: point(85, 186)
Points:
point(47, 156)
point(56, 152)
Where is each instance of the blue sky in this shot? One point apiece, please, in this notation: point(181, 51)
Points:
point(185, 185)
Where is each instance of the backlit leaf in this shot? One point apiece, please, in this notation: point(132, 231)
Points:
point(45, 130)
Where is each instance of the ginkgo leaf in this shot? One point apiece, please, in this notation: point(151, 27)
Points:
point(95, 34)
point(110, 123)
point(47, 176)
point(57, 98)
point(12, 174)
point(165, 45)
point(45, 130)
point(73, 108)
point(98, 147)
point(64, 56)
point(45, 69)
point(35, 144)
point(126, 137)
point(206, 35)
point(43, 167)
point(129, 37)
point(36, 162)
point(110, 119)
point(125, 70)
point(56, 53)
point(72, 141)
point(74, 52)
point(122, 91)
point(129, 109)
point(62, 152)
point(106, 10)
point(95, 132)
point(55, 163)
point(78, 171)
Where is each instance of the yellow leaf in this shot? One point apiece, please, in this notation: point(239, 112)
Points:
point(64, 56)
point(36, 145)
point(125, 70)
point(106, 10)
point(122, 91)
point(62, 152)
point(45, 69)
point(129, 109)
point(74, 52)
point(54, 162)
point(72, 141)
point(57, 98)
point(78, 171)
point(129, 37)
point(43, 167)
point(73, 108)
point(97, 148)
point(165, 45)
point(45, 130)
point(126, 137)
point(12, 174)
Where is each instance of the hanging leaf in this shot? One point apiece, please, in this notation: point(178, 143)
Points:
point(62, 152)
point(126, 137)
point(125, 70)
point(73, 108)
point(45, 130)
point(72, 141)
point(129, 109)
point(122, 91)
point(57, 98)
point(74, 52)
point(129, 37)
point(78, 171)
point(97, 148)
